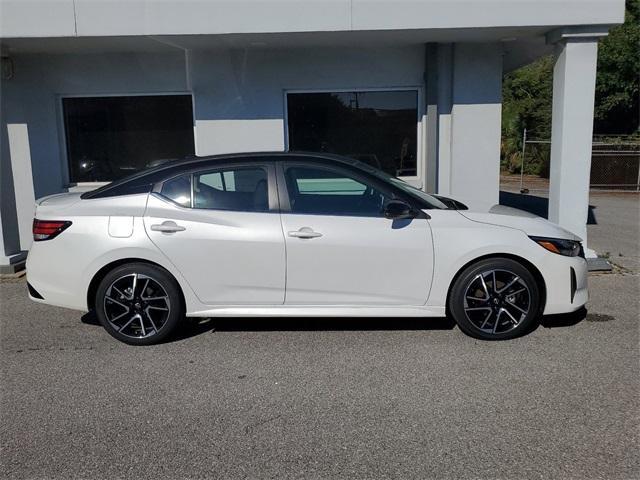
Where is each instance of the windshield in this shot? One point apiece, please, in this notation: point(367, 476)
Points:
point(430, 200)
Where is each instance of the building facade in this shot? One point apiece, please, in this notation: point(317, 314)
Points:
point(92, 90)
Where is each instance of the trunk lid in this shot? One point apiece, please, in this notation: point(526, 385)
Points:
point(56, 203)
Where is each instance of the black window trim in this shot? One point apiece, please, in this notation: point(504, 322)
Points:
point(353, 172)
point(269, 167)
point(150, 181)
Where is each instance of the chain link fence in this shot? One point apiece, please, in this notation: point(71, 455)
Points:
point(615, 165)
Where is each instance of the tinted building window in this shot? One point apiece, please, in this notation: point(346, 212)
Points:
point(111, 137)
point(379, 128)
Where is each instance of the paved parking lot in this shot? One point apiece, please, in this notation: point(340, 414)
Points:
point(615, 232)
point(325, 398)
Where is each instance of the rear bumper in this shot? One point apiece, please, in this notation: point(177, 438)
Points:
point(53, 280)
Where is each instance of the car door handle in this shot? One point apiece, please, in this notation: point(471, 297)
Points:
point(167, 227)
point(305, 232)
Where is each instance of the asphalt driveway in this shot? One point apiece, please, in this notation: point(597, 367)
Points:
point(615, 232)
point(339, 398)
point(322, 399)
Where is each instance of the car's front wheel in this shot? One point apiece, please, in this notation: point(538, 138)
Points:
point(139, 304)
point(495, 299)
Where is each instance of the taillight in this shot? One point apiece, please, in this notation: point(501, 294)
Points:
point(48, 229)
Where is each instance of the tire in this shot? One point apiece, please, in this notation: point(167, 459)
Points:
point(498, 307)
point(146, 315)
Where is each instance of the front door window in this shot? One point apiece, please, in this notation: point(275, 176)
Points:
point(325, 191)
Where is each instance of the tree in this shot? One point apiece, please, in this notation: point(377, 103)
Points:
point(617, 110)
point(527, 96)
point(526, 103)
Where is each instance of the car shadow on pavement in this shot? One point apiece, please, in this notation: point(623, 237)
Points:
point(89, 318)
point(246, 324)
point(297, 324)
point(198, 326)
point(564, 319)
point(268, 324)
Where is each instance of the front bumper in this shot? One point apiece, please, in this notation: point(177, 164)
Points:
point(566, 282)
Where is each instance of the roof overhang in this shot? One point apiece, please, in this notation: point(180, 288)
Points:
point(92, 18)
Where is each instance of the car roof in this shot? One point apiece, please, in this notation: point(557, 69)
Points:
point(142, 182)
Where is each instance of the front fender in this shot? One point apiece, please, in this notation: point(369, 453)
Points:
point(459, 241)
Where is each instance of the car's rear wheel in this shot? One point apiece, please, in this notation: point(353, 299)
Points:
point(495, 299)
point(139, 304)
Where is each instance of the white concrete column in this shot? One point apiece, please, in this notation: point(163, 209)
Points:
point(463, 85)
point(574, 79)
point(475, 124)
point(20, 153)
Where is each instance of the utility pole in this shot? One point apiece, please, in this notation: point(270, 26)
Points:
point(524, 145)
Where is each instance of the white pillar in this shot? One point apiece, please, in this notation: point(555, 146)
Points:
point(574, 79)
point(476, 117)
point(20, 153)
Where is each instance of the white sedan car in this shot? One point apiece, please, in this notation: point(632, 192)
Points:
point(301, 234)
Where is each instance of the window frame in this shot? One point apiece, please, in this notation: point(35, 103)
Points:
point(272, 189)
point(62, 131)
point(415, 180)
point(388, 190)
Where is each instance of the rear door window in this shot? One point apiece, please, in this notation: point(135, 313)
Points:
point(178, 190)
point(242, 189)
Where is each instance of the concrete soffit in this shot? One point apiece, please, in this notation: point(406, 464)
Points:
point(582, 32)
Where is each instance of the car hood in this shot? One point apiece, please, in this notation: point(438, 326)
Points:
point(530, 224)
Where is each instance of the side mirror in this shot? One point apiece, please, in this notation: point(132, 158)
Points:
point(397, 209)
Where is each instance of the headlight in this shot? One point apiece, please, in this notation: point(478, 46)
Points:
point(568, 248)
